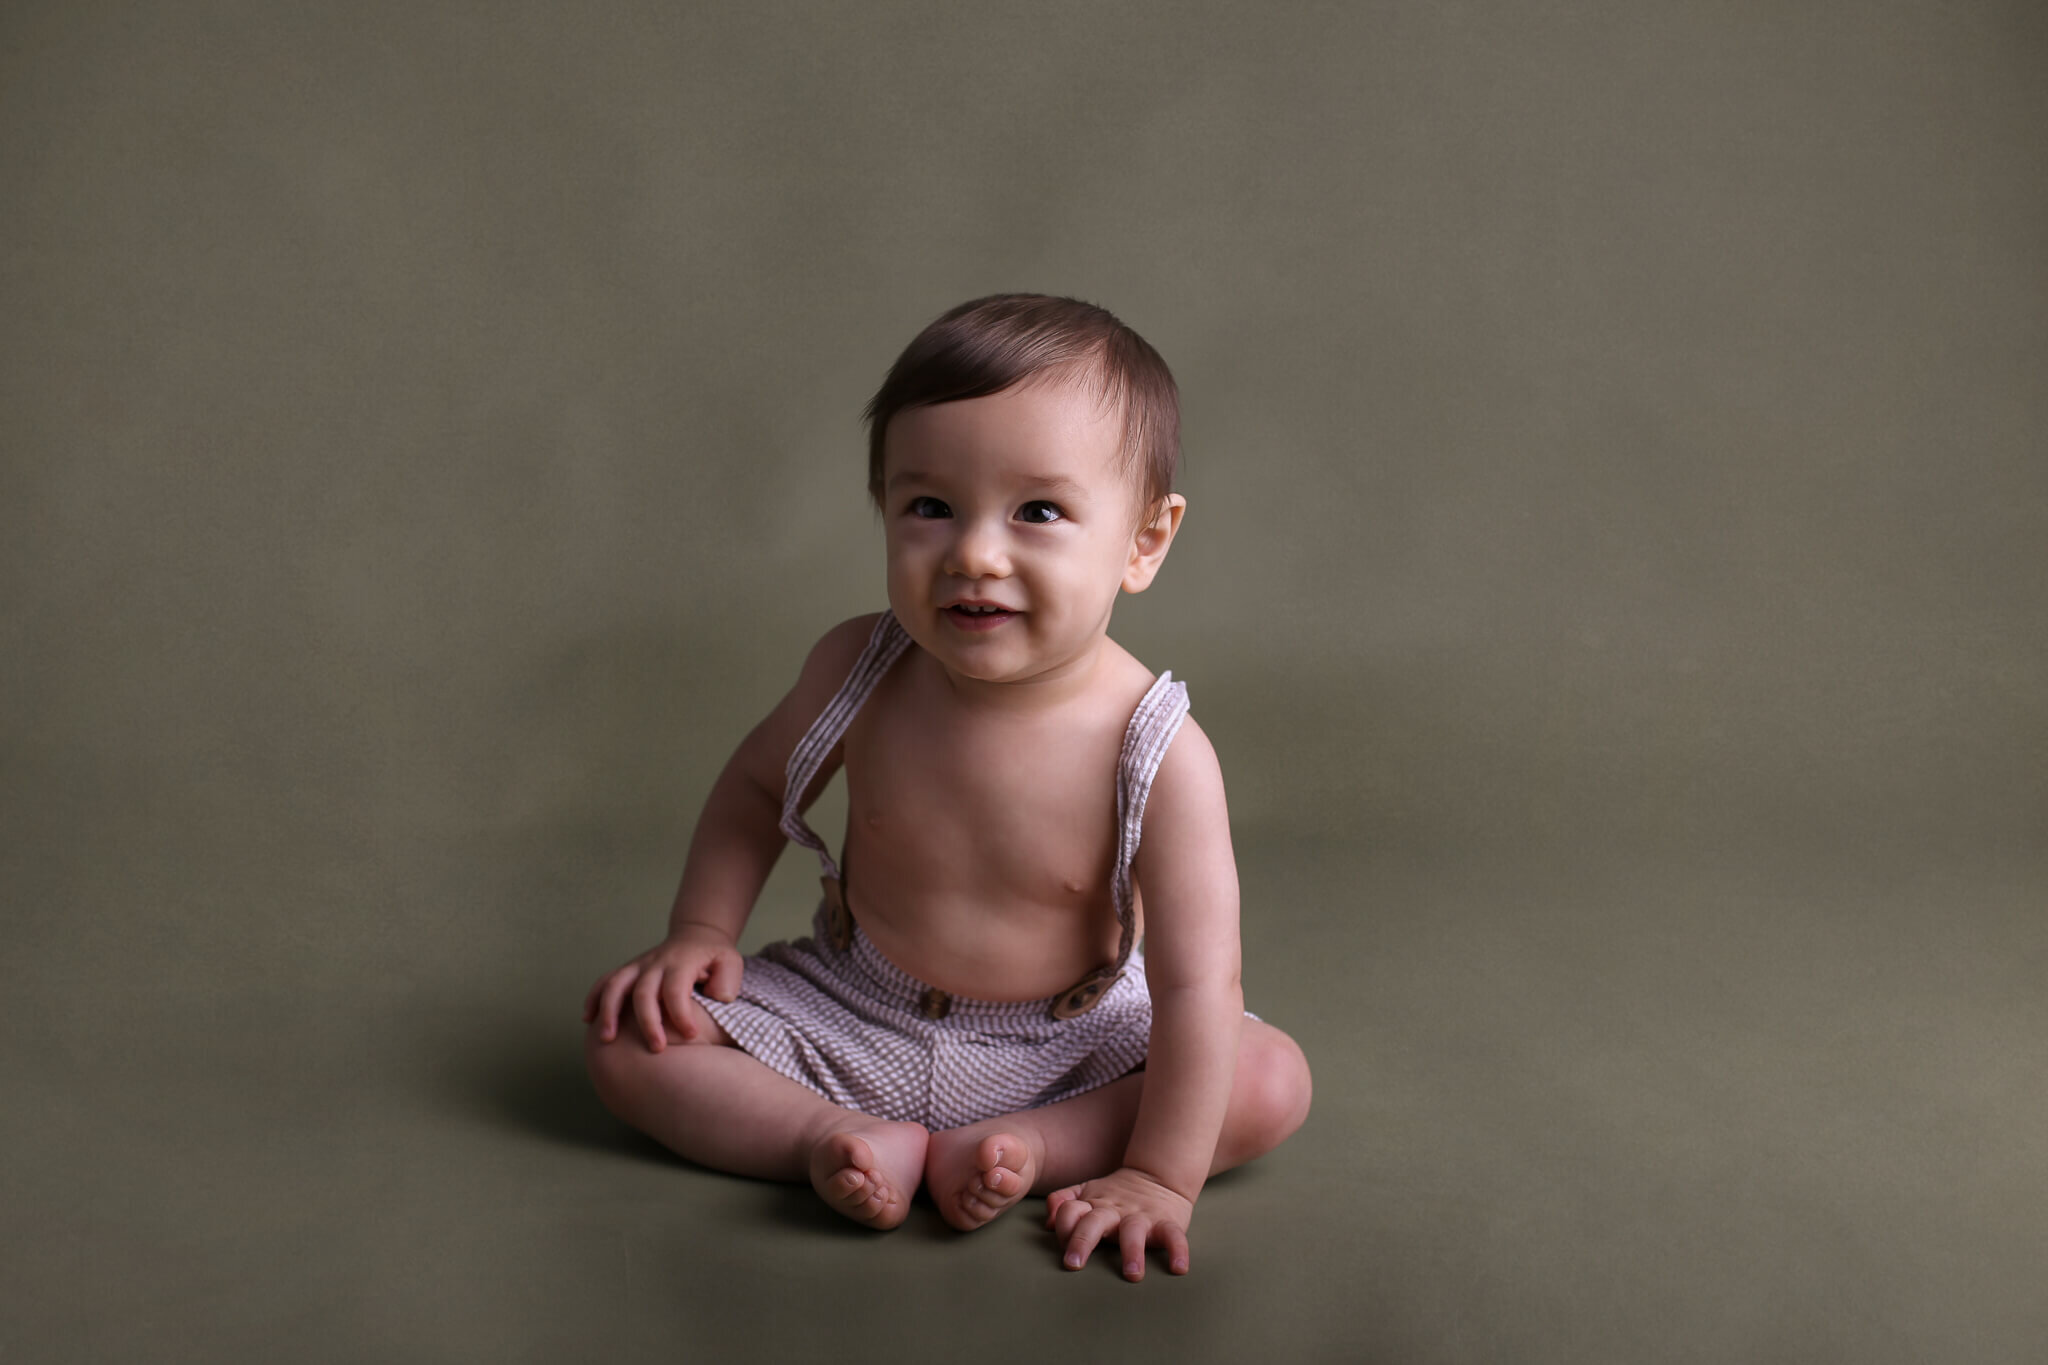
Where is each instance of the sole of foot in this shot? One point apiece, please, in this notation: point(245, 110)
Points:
point(975, 1179)
point(869, 1172)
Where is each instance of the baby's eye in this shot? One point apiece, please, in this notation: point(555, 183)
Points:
point(928, 508)
point(1040, 513)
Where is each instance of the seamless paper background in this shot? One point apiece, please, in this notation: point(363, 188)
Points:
point(1617, 455)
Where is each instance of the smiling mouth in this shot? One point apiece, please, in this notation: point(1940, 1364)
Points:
point(977, 615)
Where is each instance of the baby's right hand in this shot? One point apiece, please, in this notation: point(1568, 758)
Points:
point(661, 980)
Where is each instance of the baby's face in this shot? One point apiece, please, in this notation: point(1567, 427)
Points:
point(1016, 503)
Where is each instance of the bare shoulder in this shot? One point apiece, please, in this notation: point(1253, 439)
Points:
point(1189, 778)
point(1189, 784)
point(1186, 867)
point(825, 669)
point(835, 654)
point(766, 750)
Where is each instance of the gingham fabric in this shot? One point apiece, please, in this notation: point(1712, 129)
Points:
point(853, 1026)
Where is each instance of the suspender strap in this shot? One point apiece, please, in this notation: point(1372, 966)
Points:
point(1152, 728)
point(887, 642)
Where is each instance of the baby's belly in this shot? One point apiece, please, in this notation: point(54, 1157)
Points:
point(985, 948)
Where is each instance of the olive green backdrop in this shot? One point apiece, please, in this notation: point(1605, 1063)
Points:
point(1616, 581)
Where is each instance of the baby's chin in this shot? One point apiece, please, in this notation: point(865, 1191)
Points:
point(979, 664)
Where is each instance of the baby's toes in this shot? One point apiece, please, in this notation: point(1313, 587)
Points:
point(1003, 1170)
point(841, 1172)
point(980, 1203)
point(845, 1185)
point(1004, 1157)
point(854, 1177)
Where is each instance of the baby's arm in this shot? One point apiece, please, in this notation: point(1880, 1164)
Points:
point(1189, 876)
point(737, 840)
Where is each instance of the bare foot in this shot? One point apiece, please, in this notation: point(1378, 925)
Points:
point(976, 1175)
point(869, 1169)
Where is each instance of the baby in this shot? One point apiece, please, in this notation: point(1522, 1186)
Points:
point(1024, 801)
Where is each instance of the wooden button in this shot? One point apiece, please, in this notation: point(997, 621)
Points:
point(1082, 996)
point(936, 1004)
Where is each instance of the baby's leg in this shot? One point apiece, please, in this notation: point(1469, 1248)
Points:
point(712, 1103)
point(977, 1172)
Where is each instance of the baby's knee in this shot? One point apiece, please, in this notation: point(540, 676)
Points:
point(619, 1067)
point(1275, 1085)
point(609, 1062)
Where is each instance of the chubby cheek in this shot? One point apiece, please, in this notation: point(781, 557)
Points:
point(905, 596)
point(904, 557)
point(910, 582)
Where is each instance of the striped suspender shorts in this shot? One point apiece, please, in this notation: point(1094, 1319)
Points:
point(832, 1013)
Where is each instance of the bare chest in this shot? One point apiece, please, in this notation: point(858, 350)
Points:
point(1002, 810)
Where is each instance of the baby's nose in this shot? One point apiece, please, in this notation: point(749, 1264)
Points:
point(979, 551)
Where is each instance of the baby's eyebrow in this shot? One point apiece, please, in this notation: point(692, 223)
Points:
point(1059, 486)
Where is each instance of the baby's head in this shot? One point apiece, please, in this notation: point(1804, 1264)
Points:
point(993, 344)
point(1022, 454)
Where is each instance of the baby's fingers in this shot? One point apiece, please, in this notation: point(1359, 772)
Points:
point(615, 987)
point(647, 1009)
point(1175, 1238)
point(723, 982)
point(1089, 1229)
point(1071, 1210)
point(1057, 1198)
point(1131, 1236)
point(675, 994)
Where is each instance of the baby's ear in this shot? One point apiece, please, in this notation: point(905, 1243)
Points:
point(1151, 542)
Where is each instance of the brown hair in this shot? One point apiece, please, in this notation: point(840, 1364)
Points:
point(991, 344)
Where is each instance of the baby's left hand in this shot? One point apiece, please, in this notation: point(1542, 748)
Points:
point(1138, 1208)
